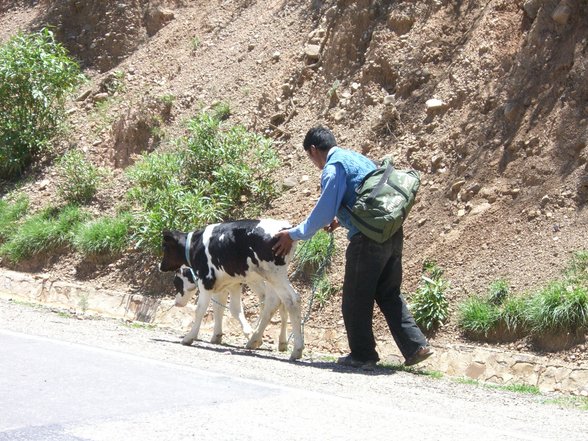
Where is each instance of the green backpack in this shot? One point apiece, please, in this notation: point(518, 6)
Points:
point(384, 199)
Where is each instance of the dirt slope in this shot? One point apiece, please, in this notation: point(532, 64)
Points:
point(502, 152)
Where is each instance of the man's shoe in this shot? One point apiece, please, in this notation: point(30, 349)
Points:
point(349, 361)
point(421, 354)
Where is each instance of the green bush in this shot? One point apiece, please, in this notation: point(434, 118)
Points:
point(10, 214)
point(35, 76)
point(429, 306)
point(498, 291)
point(213, 174)
point(49, 229)
point(324, 290)
point(314, 254)
point(106, 235)
point(477, 316)
point(79, 178)
point(513, 314)
point(560, 307)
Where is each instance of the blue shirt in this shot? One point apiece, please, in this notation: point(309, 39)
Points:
point(335, 184)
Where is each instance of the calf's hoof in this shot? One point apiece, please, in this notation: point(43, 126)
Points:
point(296, 354)
point(283, 346)
point(254, 344)
point(217, 339)
point(187, 341)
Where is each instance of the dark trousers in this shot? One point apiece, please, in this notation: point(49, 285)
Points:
point(373, 272)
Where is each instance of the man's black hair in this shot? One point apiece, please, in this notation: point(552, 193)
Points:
point(320, 137)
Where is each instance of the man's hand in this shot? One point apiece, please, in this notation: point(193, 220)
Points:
point(332, 226)
point(283, 245)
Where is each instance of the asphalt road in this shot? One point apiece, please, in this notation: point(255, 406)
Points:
point(65, 379)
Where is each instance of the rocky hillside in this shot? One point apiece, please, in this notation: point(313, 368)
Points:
point(487, 98)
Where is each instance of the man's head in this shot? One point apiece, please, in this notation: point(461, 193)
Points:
point(317, 143)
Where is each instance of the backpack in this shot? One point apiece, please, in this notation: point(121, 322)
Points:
point(384, 199)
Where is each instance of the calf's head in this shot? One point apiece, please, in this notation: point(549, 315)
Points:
point(174, 250)
point(185, 285)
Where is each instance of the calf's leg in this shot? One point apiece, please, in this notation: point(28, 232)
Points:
point(201, 307)
point(236, 308)
point(219, 301)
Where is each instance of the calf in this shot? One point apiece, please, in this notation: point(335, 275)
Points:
point(186, 287)
point(224, 256)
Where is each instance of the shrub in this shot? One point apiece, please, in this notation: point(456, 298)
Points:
point(106, 235)
point(477, 316)
point(429, 306)
point(513, 314)
point(323, 290)
point(498, 291)
point(48, 229)
point(314, 254)
point(79, 178)
point(10, 214)
point(560, 307)
point(212, 175)
point(35, 76)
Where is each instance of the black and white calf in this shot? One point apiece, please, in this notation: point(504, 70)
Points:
point(186, 286)
point(224, 256)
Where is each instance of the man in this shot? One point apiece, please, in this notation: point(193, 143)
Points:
point(373, 271)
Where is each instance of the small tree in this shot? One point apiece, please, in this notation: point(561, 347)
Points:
point(35, 76)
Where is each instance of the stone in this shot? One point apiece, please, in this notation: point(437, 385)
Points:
point(545, 200)
point(562, 13)
point(312, 52)
point(99, 97)
point(511, 111)
point(389, 100)
point(531, 7)
point(456, 186)
point(84, 95)
point(435, 104)
point(289, 182)
point(339, 115)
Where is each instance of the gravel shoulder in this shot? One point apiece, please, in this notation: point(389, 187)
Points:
point(509, 414)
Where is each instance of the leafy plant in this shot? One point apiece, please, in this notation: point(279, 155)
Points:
point(48, 229)
point(559, 307)
point(498, 291)
point(10, 214)
point(36, 75)
point(315, 253)
point(477, 316)
point(429, 306)
point(324, 290)
point(80, 178)
point(212, 174)
point(106, 235)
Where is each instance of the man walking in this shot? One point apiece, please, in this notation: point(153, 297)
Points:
point(373, 271)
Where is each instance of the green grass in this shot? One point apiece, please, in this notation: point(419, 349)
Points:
point(398, 367)
point(561, 306)
point(324, 290)
point(49, 229)
point(498, 291)
point(315, 253)
point(10, 215)
point(478, 316)
point(575, 402)
point(517, 388)
point(105, 235)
